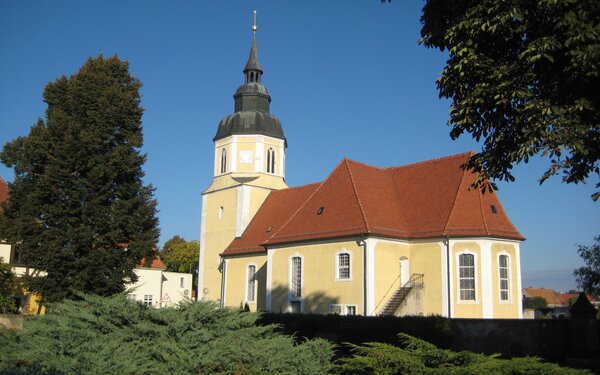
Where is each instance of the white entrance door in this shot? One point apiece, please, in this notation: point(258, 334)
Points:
point(404, 270)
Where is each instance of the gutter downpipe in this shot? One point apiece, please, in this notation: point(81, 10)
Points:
point(447, 243)
point(363, 243)
point(223, 270)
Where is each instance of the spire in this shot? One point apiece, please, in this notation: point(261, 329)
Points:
point(253, 70)
point(251, 103)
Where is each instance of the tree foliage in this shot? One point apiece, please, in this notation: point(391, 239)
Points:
point(523, 76)
point(8, 287)
point(534, 302)
point(78, 206)
point(588, 277)
point(415, 356)
point(180, 255)
point(99, 335)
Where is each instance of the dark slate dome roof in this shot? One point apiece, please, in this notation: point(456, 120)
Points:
point(250, 122)
point(252, 106)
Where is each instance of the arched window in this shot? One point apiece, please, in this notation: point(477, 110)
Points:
point(271, 160)
point(251, 284)
point(343, 266)
point(504, 276)
point(466, 277)
point(296, 282)
point(223, 161)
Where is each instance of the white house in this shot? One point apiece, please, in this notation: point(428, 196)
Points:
point(159, 288)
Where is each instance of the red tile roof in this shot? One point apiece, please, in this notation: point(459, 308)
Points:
point(422, 200)
point(156, 263)
point(551, 296)
point(567, 297)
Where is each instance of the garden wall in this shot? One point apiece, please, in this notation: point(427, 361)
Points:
point(555, 340)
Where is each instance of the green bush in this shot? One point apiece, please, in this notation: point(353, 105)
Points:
point(415, 356)
point(97, 335)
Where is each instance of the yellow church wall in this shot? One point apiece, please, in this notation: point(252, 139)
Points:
point(510, 308)
point(466, 309)
point(236, 281)
point(219, 231)
point(387, 270)
point(425, 258)
point(319, 285)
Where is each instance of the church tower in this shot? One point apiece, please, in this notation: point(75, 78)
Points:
point(249, 163)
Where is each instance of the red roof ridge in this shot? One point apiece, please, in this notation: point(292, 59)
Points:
point(445, 231)
point(508, 218)
point(485, 225)
point(361, 163)
point(302, 205)
point(291, 216)
point(419, 163)
point(362, 210)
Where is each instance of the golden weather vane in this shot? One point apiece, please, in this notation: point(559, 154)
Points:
point(254, 27)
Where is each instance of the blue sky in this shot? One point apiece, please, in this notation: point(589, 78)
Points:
point(347, 79)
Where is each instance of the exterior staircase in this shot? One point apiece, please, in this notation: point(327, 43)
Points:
point(395, 301)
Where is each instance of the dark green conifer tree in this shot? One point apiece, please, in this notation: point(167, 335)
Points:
point(78, 206)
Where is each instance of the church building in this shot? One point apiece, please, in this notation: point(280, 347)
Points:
point(406, 240)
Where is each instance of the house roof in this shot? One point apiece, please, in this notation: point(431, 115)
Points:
point(156, 263)
point(422, 200)
point(567, 297)
point(551, 296)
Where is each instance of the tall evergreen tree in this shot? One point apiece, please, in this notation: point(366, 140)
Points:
point(78, 206)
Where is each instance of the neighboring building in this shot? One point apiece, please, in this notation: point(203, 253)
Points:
point(405, 240)
point(157, 287)
point(552, 297)
point(558, 303)
point(26, 302)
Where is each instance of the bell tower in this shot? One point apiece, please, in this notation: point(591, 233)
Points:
point(249, 163)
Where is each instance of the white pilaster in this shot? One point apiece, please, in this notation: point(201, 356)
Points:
point(517, 296)
point(444, 268)
point(202, 252)
point(487, 295)
point(370, 276)
point(269, 286)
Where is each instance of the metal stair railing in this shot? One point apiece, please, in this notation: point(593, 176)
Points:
point(414, 282)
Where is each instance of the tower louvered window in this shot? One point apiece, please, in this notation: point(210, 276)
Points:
point(271, 161)
point(223, 161)
point(504, 277)
point(466, 264)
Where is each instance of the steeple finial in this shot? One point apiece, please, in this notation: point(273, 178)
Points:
point(253, 70)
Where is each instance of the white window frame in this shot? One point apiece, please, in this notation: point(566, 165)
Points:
point(148, 299)
point(248, 283)
point(342, 308)
point(337, 265)
point(291, 297)
point(355, 307)
point(132, 296)
point(475, 277)
point(291, 310)
point(508, 278)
